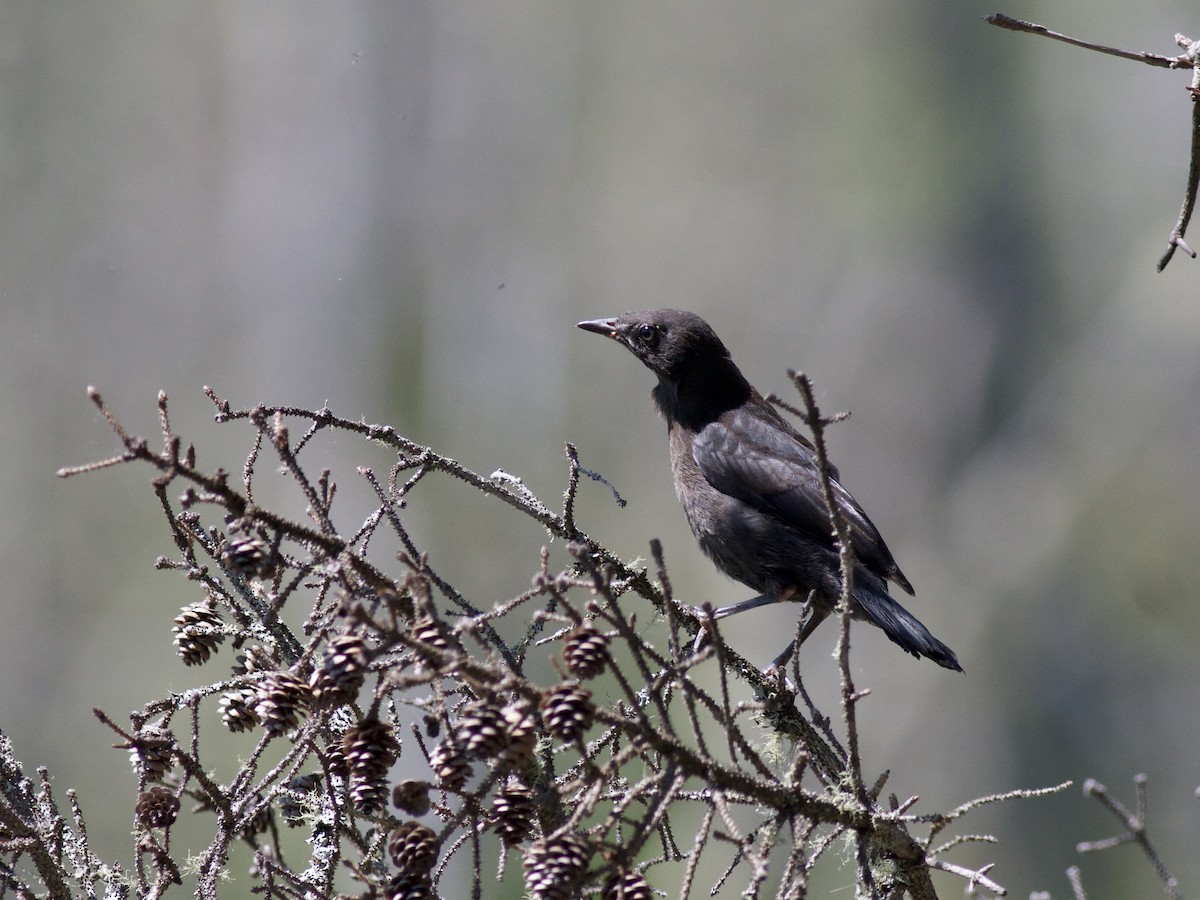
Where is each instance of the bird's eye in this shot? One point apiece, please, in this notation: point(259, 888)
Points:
point(647, 334)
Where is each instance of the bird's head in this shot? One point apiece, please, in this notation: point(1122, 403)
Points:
point(669, 342)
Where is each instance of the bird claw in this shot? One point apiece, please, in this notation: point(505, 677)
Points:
point(776, 689)
point(705, 615)
point(777, 671)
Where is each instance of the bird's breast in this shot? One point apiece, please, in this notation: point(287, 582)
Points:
point(734, 535)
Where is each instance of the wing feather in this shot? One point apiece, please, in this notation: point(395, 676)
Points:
point(747, 455)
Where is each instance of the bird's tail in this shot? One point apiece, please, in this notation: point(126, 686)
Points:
point(902, 626)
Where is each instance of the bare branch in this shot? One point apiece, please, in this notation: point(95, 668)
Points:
point(588, 789)
point(1135, 823)
point(1189, 198)
point(1189, 59)
point(1151, 59)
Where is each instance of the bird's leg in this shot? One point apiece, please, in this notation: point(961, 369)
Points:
point(733, 608)
point(781, 660)
point(815, 617)
point(754, 603)
point(710, 614)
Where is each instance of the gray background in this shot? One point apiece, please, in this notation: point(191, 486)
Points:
point(403, 208)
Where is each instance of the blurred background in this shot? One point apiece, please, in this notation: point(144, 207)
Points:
point(403, 208)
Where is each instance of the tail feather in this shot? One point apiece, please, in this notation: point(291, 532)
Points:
point(903, 627)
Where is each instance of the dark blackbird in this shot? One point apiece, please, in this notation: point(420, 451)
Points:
point(751, 489)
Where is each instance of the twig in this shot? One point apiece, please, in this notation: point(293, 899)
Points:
point(841, 534)
point(1073, 876)
point(975, 877)
point(1136, 823)
point(1152, 59)
point(1189, 59)
point(1189, 199)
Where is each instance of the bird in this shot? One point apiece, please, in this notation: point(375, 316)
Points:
point(751, 489)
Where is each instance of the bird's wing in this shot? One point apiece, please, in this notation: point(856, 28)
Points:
point(748, 456)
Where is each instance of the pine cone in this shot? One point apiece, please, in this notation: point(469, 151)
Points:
point(556, 867)
point(413, 848)
point(341, 673)
point(627, 886)
point(567, 710)
point(450, 766)
point(259, 822)
point(412, 797)
point(432, 633)
point(199, 630)
point(369, 797)
point(334, 758)
point(371, 748)
point(237, 709)
point(482, 731)
point(257, 658)
point(512, 812)
point(409, 887)
point(282, 696)
point(521, 730)
point(248, 556)
point(585, 651)
point(156, 807)
point(151, 752)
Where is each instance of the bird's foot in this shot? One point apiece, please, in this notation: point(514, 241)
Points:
point(706, 615)
point(777, 687)
point(777, 670)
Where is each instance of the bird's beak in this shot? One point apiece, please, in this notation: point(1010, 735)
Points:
point(606, 327)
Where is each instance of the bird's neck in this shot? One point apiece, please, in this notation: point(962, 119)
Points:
point(701, 394)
